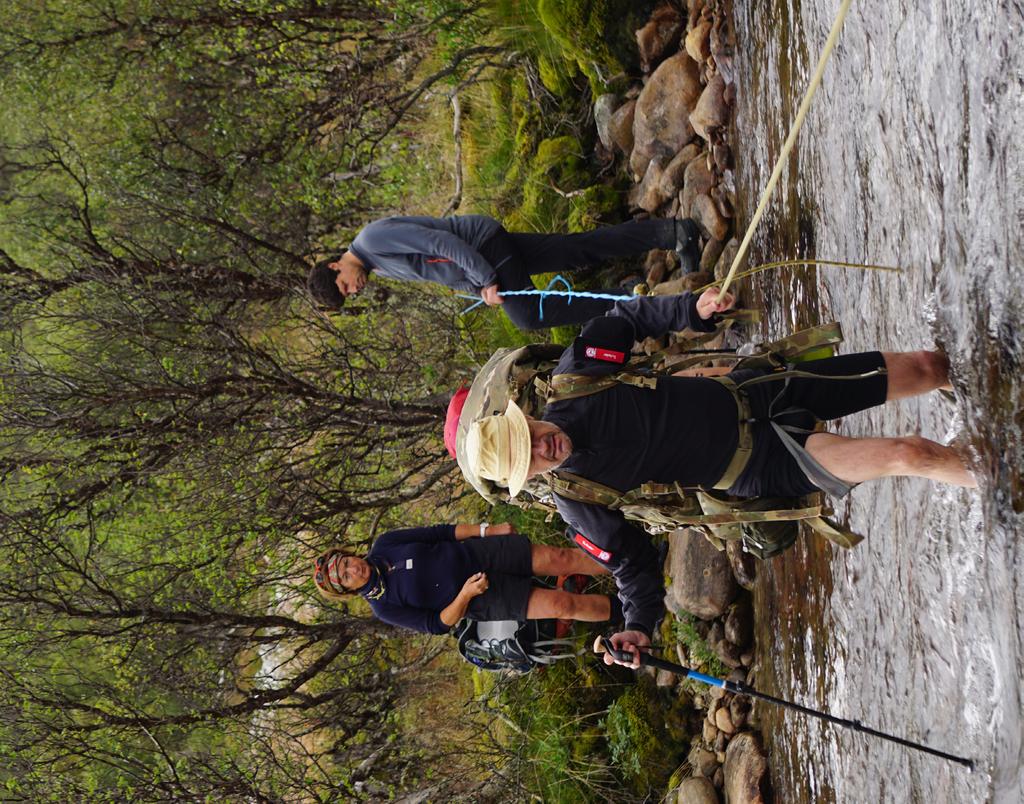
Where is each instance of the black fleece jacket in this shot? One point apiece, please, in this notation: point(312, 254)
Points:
point(684, 430)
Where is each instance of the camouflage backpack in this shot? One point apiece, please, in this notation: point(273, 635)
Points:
point(765, 526)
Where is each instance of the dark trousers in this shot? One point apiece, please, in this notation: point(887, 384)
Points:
point(517, 256)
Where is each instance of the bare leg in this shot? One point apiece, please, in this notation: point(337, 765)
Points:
point(913, 373)
point(563, 561)
point(553, 604)
point(858, 459)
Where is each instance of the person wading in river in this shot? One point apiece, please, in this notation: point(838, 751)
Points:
point(474, 254)
point(751, 433)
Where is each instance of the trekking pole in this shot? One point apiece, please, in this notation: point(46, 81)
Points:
point(602, 645)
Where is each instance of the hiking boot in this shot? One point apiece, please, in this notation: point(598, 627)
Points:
point(688, 245)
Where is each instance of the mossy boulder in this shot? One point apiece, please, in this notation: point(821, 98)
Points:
point(558, 165)
point(595, 34)
point(596, 205)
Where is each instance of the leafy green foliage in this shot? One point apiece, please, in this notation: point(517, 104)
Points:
point(641, 747)
point(684, 630)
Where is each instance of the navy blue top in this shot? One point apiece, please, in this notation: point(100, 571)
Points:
point(423, 570)
point(685, 430)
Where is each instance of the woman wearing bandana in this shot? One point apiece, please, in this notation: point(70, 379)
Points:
point(427, 579)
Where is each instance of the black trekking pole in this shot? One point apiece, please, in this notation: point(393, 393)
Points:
point(602, 645)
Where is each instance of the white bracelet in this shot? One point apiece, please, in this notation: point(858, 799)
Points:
point(483, 528)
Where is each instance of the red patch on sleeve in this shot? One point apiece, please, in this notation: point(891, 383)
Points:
point(609, 355)
point(593, 549)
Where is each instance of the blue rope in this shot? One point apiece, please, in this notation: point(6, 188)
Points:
point(550, 291)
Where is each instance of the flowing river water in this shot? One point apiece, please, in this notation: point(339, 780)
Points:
point(911, 156)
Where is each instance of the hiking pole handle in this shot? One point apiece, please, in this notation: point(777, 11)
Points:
point(604, 645)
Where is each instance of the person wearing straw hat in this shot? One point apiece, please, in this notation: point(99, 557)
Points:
point(427, 579)
point(686, 430)
point(474, 254)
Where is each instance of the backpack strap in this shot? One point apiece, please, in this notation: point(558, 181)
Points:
point(572, 386)
point(682, 512)
point(745, 435)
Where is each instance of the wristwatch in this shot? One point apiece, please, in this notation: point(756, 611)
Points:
point(483, 528)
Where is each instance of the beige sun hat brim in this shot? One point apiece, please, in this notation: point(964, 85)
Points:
point(519, 448)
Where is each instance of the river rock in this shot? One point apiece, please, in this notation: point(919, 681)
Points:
point(656, 268)
point(687, 282)
point(661, 123)
point(620, 126)
point(702, 581)
point(728, 654)
point(723, 720)
point(711, 110)
point(665, 678)
point(604, 110)
point(708, 218)
point(709, 257)
point(739, 708)
point(694, 9)
point(721, 741)
point(744, 565)
point(702, 761)
point(649, 195)
point(697, 790)
point(674, 175)
point(724, 264)
point(746, 771)
point(697, 180)
point(721, 199)
point(709, 732)
point(660, 35)
point(722, 43)
point(718, 780)
point(739, 624)
point(698, 40)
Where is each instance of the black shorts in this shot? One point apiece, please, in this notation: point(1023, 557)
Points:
point(508, 562)
point(772, 471)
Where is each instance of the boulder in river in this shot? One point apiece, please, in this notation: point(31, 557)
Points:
point(739, 624)
point(746, 771)
point(697, 790)
point(708, 218)
point(649, 194)
point(702, 581)
point(660, 35)
point(697, 180)
point(620, 126)
point(604, 111)
point(674, 175)
point(702, 761)
point(661, 123)
point(698, 40)
point(711, 110)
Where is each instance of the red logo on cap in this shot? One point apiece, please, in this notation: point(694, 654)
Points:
point(610, 355)
point(593, 549)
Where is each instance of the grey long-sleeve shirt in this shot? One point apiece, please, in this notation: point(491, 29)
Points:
point(422, 249)
point(684, 430)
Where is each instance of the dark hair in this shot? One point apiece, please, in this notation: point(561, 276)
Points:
point(322, 284)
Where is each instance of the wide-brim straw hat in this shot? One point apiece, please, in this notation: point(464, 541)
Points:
point(498, 448)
